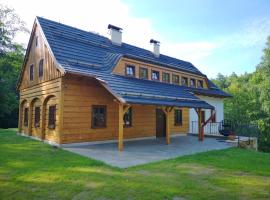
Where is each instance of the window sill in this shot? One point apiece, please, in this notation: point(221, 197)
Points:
point(133, 76)
point(51, 127)
point(127, 126)
point(98, 127)
point(178, 124)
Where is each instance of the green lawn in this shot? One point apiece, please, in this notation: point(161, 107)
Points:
point(33, 170)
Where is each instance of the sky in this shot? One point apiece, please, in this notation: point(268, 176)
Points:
point(216, 36)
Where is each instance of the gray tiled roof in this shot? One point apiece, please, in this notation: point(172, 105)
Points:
point(87, 53)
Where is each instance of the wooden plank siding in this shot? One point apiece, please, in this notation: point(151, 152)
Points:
point(184, 128)
point(80, 93)
point(36, 131)
point(41, 91)
point(36, 53)
point(120, 69)
point(43, 94)
point(74, 97)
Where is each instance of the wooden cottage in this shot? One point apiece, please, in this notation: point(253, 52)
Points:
point(78, 86)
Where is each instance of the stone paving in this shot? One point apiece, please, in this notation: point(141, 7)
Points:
point(145, 151)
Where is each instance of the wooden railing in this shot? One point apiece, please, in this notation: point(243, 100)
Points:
point(210, 128)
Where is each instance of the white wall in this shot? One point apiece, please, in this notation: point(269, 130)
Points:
point(216, 102)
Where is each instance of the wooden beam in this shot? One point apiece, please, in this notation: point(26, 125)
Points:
point(213, 112)
point(199, 123)
point(120, 127)
point(61, 112)
point(167, 110)
point(168, 136)
point(125, 109)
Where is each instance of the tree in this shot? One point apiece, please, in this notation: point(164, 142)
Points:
point(11, 59)
point(251, 97)
point(10, 25)
point(10, 65)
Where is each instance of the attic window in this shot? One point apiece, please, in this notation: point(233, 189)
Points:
point(36, 41)
point(130, 70)
point(155, 75)
point(31, 72)
point(40, 68)
point(143, 73)
point(166, 77)
point(192, 82)
point(184, 81)
point(175, 79)
point(200, 84)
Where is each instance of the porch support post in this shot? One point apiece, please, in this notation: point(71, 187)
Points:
point(120, 127)
point(167, 111)
point(200, 127)
point(168, 136)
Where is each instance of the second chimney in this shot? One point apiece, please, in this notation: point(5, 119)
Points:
point(116, 34)
point(156, 45)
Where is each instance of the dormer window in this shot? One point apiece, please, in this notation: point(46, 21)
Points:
point(175, 79)
point(184, 81)
point(155, 75)
point(192, 82)
point(31, 72)
point(200, 84)
point(130, 70)
point(166, 77)
point(143, 73)
point(36, 41)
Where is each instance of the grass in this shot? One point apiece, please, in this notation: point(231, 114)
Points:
point(33, 170)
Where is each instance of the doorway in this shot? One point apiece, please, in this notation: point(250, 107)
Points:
point(160, 123)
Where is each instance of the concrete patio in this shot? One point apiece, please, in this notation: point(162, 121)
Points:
point(145, 151)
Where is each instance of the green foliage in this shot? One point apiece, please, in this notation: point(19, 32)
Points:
point(10, 64)
point(10, 25)
point(11, 59)
point(251, 98)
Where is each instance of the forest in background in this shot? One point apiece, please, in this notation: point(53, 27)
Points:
point(251, 97)
point(251, 91)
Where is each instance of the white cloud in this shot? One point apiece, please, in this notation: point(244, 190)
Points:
point(190, 50)
point(95, 15)
point(253, 33)
point(87, 15)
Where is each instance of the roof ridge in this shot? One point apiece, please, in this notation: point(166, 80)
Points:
point(69, 26)
point(175, 61)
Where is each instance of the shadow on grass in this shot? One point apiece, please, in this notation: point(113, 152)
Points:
point(33, 170)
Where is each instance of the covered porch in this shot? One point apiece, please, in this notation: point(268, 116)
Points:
point(165, 116)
